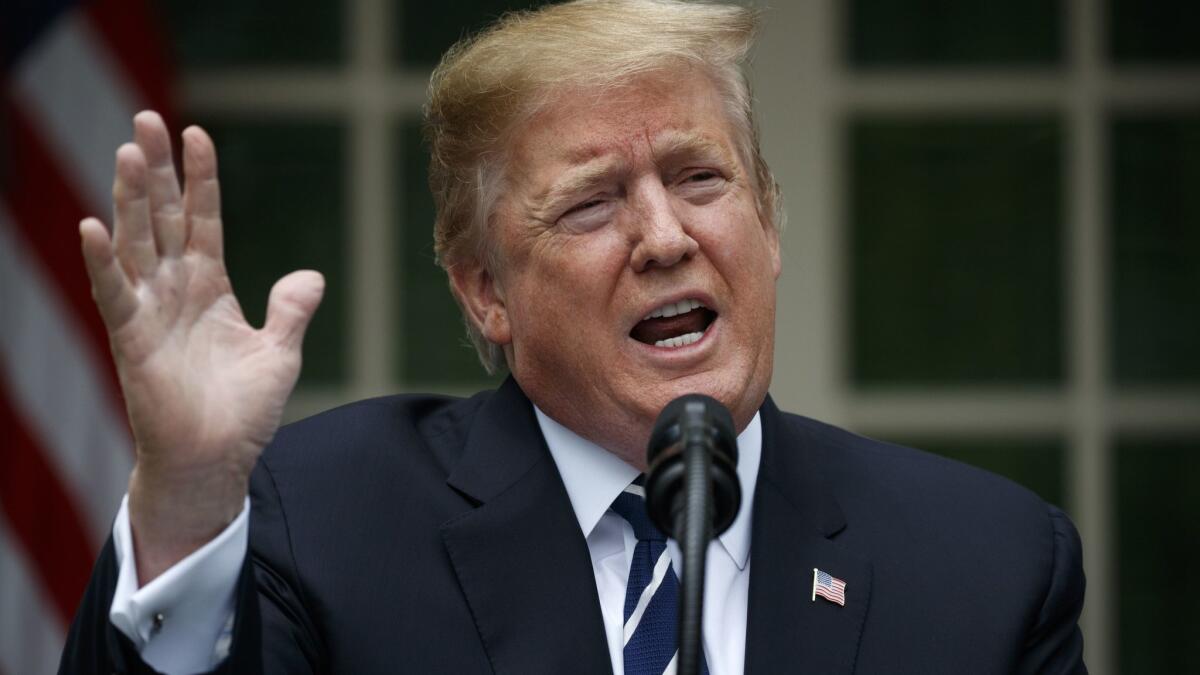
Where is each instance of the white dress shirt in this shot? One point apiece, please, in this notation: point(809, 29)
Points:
point(594, 477)
point(180, 622)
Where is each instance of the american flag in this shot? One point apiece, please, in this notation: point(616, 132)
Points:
point(829, 587)
point(72, 76)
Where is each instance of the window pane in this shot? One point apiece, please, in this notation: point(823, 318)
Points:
point(1035, 463)
point(1162, 31)
point(954, 33)
point(283, 204)
point(224, 33)
point(436, 350)
point(955, 244)
point(1155, 241)
point(427, 29)
point(1158, 519)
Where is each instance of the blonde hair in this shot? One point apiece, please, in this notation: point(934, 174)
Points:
point(486, 85)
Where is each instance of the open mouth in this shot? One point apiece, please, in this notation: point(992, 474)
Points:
point(675, 324)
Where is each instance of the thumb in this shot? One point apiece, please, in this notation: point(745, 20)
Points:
point(293, 301)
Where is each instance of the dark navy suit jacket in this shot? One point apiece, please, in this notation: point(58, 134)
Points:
point(423, 534)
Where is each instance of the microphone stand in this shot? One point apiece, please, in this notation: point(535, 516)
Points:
point(695, 522)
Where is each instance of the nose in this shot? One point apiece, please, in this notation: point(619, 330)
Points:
point(660, 236)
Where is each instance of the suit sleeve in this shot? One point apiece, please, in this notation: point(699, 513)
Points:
point(1055, 643)
point(272, 631)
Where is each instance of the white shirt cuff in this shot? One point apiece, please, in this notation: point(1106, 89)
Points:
point(182, 620)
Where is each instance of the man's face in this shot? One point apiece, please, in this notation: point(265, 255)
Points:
point(633, 264)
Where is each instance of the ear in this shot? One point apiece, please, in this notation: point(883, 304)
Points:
point(482, 299)
point(772, 234)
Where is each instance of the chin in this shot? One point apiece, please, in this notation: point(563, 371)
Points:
point(742, 393)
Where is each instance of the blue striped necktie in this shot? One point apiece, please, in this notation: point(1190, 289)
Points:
point(652, 594)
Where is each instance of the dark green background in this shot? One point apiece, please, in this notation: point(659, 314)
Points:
point(955, 251)
point(284, 208)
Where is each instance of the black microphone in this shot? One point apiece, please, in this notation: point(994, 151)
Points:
point(692, 420)
point(693, 495)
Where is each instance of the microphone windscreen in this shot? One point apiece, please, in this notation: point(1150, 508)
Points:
point(691, 423)
point(667, 429)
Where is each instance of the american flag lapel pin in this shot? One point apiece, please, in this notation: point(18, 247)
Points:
point(829, 587)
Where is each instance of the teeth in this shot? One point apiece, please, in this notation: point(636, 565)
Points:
point(680, 341)
point(671, 309)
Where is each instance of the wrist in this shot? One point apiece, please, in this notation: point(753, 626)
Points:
point(173, 515)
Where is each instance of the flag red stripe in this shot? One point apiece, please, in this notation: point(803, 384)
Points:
point(41, 511)
point(42, 514)
point(47, 212)
point(133, 35)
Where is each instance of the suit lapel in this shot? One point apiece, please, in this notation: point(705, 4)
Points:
point(520, 557)
point(795, 520)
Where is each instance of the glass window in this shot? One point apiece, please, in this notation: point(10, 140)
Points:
point(1158, 548)
point(230, 33)
point(882, 33)
point(1161, 32)
point(427, 29)
point(1155, 241)
point(283, 203)
point(955, 251)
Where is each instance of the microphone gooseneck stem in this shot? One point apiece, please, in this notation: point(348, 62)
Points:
point(697, 531)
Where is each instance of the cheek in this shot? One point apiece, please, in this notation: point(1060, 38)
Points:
point(569, 284)
point(581, 266)
point(734, 235)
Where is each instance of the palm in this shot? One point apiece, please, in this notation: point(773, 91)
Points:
point(204, 390)
point(199, 382)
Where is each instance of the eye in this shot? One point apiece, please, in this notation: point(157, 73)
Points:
point(587, 215)
point(584, 206)
point(700, 185)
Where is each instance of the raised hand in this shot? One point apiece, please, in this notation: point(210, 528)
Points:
point(204, 390)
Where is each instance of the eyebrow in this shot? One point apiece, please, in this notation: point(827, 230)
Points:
point(577, 179)
point(675, 144)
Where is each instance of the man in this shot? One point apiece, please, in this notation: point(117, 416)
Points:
point(611, 233)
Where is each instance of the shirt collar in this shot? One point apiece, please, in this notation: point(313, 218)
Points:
point(594, 477)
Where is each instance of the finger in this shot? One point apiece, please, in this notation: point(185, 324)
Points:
point(133, 236)
point(202, 194)
point(294, 300)
point(162, 185)
point(112, 292)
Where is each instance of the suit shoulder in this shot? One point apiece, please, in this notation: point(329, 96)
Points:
point(920, 483)
point(397, 426)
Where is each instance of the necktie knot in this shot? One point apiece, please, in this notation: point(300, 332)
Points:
point(631, 505)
